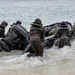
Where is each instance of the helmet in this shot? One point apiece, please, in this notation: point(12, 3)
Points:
point(18, 22)
point(63, 25)
point(37, 22)
point(4, 23)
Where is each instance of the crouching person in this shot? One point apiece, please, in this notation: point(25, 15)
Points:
point(62, 36)
point(16, 33)
point(37, 35)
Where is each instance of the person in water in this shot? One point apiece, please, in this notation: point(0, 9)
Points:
point(22, 43)
point(37, 35)
point(62, 36)
point(2, 28)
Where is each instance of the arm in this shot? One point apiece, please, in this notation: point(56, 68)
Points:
point(43, 36)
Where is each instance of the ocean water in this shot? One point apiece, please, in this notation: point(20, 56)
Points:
point(55, 61)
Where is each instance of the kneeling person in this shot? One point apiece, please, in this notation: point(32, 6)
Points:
point(62, 36)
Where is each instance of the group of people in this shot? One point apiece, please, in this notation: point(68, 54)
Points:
point(34, 42)
point(18, 37)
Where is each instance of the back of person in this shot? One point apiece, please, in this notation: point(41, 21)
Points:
point(63, 29)
point(62, 36)
point(62, 41)
point(37, 35)
point(37, 31)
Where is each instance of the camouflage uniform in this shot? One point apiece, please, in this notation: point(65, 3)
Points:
point(64, 40)
point(62, 36)
point(37, 35)
point(2, 28)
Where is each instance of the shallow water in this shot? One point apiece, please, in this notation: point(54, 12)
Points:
point(55, 61)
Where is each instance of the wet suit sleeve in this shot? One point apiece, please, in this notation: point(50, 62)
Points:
point(2, 31)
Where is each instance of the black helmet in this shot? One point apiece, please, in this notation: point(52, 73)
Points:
point(37, 22)
point(18, 22)
point(4, 23)
point(63, 24)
